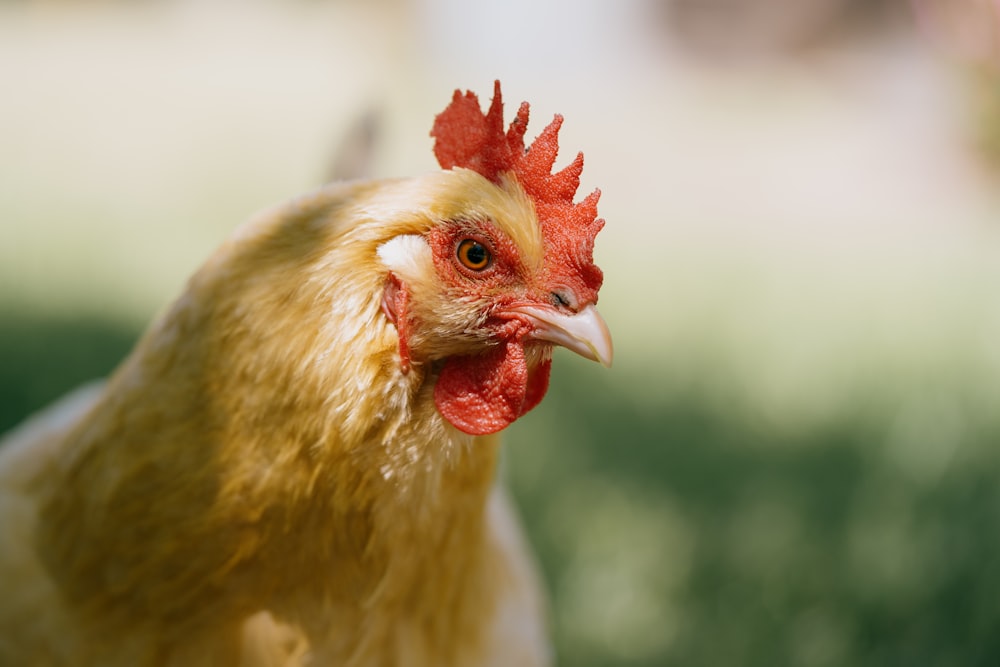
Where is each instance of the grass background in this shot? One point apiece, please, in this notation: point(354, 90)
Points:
point(794, 460)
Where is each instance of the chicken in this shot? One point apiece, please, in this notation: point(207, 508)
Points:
point(296, 465)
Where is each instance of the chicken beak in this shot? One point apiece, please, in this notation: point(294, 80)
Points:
point(584, 332)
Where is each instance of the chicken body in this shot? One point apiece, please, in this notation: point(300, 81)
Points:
point(283, 470)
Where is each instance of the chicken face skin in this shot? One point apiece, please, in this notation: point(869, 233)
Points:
point(491, 320)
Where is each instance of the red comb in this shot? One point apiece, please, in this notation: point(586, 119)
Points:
point(465, 137)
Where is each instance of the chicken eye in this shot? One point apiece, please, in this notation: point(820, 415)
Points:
point(474, 255)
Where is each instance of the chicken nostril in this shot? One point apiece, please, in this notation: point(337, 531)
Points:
point(563, 299)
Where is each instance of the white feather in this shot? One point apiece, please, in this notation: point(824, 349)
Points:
point(406, 255)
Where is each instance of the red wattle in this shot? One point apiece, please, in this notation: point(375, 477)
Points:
point(538, 384)
point(483, 394)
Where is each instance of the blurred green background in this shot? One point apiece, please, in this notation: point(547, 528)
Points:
point(796, 457)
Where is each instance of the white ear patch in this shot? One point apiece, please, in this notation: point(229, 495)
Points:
point(406, 255)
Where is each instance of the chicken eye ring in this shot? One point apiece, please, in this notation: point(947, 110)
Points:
point(474, 255)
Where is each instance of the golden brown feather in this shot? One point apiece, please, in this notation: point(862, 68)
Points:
point(254, 456)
